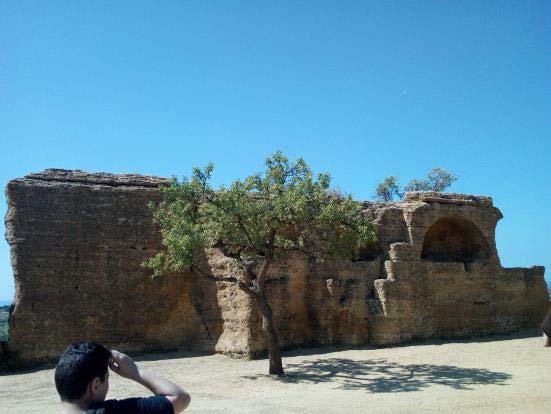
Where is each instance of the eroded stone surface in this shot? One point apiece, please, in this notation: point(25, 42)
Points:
point(77, 241)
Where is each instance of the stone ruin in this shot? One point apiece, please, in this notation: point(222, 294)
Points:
point(77, 241)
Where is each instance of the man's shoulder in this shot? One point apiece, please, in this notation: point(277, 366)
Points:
point(150, 405)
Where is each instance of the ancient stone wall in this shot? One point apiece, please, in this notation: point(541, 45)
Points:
point(77, 241)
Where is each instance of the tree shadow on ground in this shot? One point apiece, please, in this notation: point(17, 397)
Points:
point(382, 376)
point(328, 349)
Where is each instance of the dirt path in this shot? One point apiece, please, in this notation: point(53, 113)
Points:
point(511, 376)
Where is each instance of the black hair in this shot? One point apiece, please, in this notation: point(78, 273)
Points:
point(78, 365)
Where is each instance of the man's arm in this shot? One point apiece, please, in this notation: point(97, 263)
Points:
point(124, 366)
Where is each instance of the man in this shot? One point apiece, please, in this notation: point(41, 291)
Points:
point(82, 381)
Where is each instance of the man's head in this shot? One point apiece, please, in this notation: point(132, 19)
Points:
point(82, 372)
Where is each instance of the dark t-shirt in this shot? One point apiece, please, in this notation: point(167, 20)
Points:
point(151, 405)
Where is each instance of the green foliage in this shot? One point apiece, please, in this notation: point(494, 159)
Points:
point(417, 185)
point(437, 179)
point(440, 179)
point(265, 215)
point(387, 189)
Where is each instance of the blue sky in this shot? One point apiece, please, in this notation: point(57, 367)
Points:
point(359, 89)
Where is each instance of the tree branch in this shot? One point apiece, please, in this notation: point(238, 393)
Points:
point(266, 264)
point(250, 275)
point(244, 229)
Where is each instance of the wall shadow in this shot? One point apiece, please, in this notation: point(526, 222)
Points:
point(383, 376)
point(455, 239)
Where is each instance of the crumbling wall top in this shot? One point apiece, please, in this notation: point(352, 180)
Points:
point(448, 198)
point(114, 180)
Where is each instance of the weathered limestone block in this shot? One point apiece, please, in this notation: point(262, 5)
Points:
point(401, 252)
point(339, 296)
point(76, 248)
point(318, 303)
point(77, 241)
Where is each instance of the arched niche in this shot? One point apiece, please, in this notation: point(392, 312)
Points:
point(455, 239)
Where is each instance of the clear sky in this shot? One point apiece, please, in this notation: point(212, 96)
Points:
point(359, 89)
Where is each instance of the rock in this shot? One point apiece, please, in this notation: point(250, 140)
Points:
point(77, 241)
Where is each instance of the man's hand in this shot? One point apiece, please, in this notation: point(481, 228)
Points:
point(123, 365)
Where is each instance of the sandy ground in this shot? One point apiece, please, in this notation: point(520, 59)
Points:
point(498, 375)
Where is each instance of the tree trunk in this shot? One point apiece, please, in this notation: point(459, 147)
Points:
point(268, 328)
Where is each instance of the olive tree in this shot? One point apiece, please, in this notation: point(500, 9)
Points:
point(387, 189)
point(417, 185)
point(256, 221)
point(437, 179)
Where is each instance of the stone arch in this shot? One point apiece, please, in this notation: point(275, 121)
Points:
point(455, 239)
